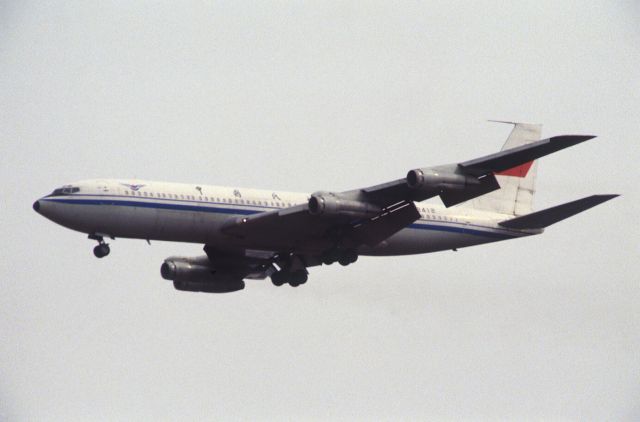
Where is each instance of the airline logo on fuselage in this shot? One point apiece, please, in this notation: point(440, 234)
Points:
point(134, 188)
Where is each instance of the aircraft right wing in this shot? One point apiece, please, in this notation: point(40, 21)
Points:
point(372, 214)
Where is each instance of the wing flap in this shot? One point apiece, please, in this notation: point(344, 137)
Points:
point(377, 229)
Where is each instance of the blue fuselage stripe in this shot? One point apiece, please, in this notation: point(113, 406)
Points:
point(157, 205)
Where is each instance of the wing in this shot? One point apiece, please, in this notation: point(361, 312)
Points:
point(456, 183)
point(369, 215)
point(297, 229)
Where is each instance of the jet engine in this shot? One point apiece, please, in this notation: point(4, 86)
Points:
point(429, 179)
point(197, 275)
point(327, 203)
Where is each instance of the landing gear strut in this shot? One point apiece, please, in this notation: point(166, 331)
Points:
point(102, 249)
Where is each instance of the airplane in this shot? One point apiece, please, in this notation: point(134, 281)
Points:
point(257, 234)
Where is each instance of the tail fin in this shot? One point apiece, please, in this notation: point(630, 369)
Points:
point(517, 185)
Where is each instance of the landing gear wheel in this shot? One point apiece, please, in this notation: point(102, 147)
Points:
point(278, 279)
point(101, 250)
point(329, 257)
point(348, 257)
point(297, 278)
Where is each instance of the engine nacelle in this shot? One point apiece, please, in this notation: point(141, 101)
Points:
point(327, 203)
point(429, 179)
point(197, 275)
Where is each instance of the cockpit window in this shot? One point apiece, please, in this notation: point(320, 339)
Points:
point(65, 190)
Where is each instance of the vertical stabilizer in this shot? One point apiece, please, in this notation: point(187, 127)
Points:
point(517, 185)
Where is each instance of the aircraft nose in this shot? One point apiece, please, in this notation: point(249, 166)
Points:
point(36, 206)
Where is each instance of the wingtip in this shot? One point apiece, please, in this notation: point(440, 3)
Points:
point(605, 197)
point(573, 139)
point(501, 121)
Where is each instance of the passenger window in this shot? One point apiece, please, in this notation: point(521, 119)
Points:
point(126, 192)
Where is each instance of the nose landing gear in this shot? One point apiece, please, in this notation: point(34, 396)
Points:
point(102, 249)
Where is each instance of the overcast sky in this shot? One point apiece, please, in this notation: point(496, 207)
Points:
point(306, 96)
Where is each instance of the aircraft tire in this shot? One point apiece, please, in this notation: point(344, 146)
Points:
point(278, 279)
point(102, 250)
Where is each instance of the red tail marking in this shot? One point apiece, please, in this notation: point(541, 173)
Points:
point(518, 171)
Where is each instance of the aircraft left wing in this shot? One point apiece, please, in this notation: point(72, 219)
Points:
point(299, 228)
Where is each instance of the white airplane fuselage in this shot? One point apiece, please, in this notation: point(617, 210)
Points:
point(196, 213)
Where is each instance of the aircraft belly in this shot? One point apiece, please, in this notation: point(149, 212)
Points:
point(136, 222)
point(422, 240)
point(167, 224)
point(188, 226)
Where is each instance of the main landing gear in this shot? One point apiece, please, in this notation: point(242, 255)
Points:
point(294, 279)
point(102, 249)
point(344, 257)
point(292, 270)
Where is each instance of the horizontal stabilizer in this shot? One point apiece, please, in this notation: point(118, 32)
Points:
point(545, 218)
point(510, 158)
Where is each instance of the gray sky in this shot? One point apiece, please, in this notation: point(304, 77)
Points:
point(302, 97)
